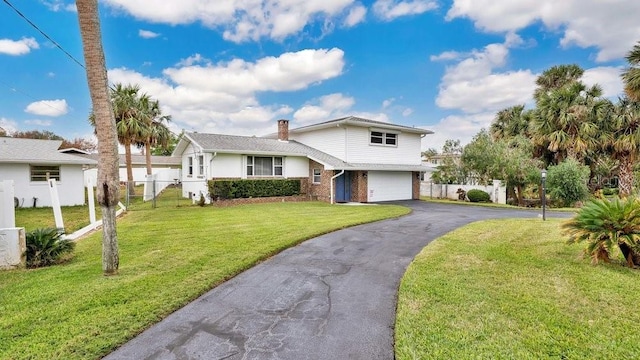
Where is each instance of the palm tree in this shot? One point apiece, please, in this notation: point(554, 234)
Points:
point(557, 77)
point(510, 122)
point(631, 76)
point(108, 179)
point(155, 132)
point(624, 141)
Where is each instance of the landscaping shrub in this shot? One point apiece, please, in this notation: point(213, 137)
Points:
point(567, 182)
point(238, 189)
point(606, 224)
point(46, 247)
point(476, 195)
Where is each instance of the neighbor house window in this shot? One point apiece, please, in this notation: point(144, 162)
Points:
point(383, 138)
point(42, 173)
point(317, 176)
point(264, 166)
point(200, 165)
point(189, 166)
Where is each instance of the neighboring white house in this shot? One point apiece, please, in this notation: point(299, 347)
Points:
point(168, 167)
point(343, 160)
point(29, 162)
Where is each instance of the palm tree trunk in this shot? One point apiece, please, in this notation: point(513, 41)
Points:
point(127, 159)
point(625, 176)
point(147, 154)
point(108, 180)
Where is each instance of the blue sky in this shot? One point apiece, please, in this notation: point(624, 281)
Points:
point(236, 66)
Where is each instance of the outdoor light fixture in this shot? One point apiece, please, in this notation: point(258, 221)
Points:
point(543, 175)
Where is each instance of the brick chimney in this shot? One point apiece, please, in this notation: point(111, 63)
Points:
point(283, 130)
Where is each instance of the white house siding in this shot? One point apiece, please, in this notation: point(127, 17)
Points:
point(296, 167)
point(389, 185)
point(330, 141)
point(227, 166)
point(70, 186)
point(360, 150)
point(194, 184)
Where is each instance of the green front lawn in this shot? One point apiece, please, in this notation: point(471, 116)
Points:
point(512, 289)
point(168, 257)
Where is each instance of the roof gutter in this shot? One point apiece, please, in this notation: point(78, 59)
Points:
point(333, 178)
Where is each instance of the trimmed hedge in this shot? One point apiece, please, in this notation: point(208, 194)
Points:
point(476, 195)
point(240, 189)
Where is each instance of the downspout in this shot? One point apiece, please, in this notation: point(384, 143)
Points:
point(333, 178)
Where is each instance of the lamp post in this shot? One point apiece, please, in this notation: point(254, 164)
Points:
point(543, 175)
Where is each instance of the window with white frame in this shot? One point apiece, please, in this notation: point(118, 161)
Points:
point(43, 173)
point(384, 138)
point(317, 176)
point(264, 166)
point(189, 166)
point(200, 165)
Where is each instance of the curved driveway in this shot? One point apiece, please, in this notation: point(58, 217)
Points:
point(332, 297)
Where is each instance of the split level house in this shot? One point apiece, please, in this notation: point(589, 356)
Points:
point(349, 159)
point(30, 162)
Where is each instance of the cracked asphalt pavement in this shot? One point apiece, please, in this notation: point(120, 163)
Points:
point(331, 297)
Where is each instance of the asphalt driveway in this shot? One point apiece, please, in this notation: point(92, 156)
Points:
point(332, 297)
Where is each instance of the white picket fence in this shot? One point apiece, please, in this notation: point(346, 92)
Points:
point(496, 191)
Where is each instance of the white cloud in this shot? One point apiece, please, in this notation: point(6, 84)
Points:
point(406, 112)
point(9, 126)
point(456, 127)
point(38, 122)
point(60, 5)
point(608, 77)
point(241, 20)
point(18, 47)
point(222, 97)
point(611, 26)
point(48, 107)
point(193, 59)
point(328, 107)
point(356, 15)
point(446, 56)
point(391, 9)
point(473, 86)
point(387, 102)
point(147, 34)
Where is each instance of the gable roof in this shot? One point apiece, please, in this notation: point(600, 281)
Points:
point(356, 121)
point(36, 151)
point(156, 160)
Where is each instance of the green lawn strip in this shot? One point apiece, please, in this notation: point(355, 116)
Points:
point(512, 289)
point(495, 205)
point(168, 257)
point(74, 217)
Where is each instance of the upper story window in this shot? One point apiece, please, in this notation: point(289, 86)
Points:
point(384, 138)
point(200, 165)
point(264, 166)
point(43, 173)
point(189, 166)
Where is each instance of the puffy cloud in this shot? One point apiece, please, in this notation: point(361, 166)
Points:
point(406, 112)
point(356, 15)
point(473, 86)
point(447, 55)
point(456, 127)
point(60, 5)
point(193, 59)
point(222, 97)
point(147, 34)
point(243, 20)
point(328, 107)
point(387, 102)
point(48, 107)
point(391, 9)
point(608, 77)
point(18, 47)
point(9, 126)
point(611, 26)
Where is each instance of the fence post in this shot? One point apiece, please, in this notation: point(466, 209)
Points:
point(154, 193)
point(127, 192)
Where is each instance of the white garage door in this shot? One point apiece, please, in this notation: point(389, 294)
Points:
point(389, 185)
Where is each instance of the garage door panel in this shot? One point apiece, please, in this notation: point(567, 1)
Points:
point(389, 185)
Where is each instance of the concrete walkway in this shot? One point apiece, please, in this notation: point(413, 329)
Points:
point(332, 297)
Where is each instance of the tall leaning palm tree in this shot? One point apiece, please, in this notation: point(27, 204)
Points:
point(631, 76)
point(155, 132)
point(108, 180)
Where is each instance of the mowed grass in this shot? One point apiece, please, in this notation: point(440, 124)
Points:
point(73, 217)
point(512, 289)
point(168, 257)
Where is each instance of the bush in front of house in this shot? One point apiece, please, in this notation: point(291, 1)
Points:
point(239, 189)
point(46, 247)
point(476, 195)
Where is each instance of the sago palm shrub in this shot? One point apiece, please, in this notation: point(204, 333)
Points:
point(47, 247)
point(606, 225)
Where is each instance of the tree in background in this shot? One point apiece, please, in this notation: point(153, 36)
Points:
point(170, 146)
point(78, 143)
point(623, 141)
point(108, 183)
point(450, 171)
point(567, 182)
point(155, 132)
point(631, 76)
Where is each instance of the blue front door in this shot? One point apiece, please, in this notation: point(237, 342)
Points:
point(343, 187)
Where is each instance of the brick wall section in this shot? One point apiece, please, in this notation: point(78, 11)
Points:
point(415, 182)
point(321, 191)
point(359, 186)
point(261, 200)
